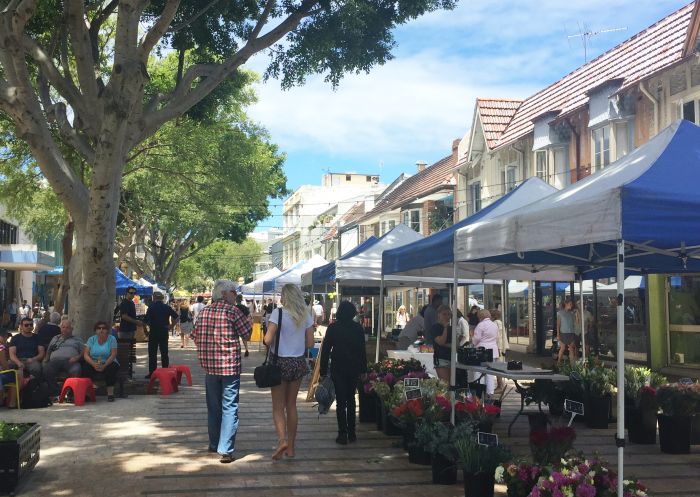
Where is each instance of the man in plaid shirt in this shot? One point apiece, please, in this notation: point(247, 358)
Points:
point(216, 335)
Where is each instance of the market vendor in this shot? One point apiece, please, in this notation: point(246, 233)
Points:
point(411, 331)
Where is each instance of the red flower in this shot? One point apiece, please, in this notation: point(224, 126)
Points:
point(472, 407)
point(491, 410)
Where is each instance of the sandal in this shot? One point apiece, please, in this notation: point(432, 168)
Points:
point(281, 448)
point(110, 398)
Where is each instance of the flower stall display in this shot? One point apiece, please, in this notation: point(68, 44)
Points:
point(678, 404)
point(519, 478)
point(581, 477)
point(548, 447)
point(478, 412)
point(479, 463)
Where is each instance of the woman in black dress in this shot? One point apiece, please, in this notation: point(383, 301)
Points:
point(344, 344)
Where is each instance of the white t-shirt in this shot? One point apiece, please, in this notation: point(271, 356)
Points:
point(196, 309)
point(292, 337)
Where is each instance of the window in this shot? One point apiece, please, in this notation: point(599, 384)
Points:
point(392, 224)
point(411, 219)
point(541, 170)
point(601, 147)
point(561, 167)
point(621, 140)
point(369, 179)
point(689, 111)
point(511, 178)
point(348, 177)
point(475, 195)
point(8, 233)
point(383, 230)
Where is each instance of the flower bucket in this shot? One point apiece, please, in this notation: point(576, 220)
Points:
point(367, 406)
point(597, 411)
point(479, 485)
point(641, 426)
point(18, 457)
point(674, 434)
point(379, 414)
point(417, 455)
point(444, 470)
point(388, 426)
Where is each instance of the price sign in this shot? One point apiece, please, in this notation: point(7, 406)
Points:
point(573, 407)
point(487, 439)
point(409, 383)
point(414, 393)
point(685, 381)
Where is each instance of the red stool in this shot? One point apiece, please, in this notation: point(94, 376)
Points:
point(181, 369)
point(80, 387)
point(167, 378)
point(178, 374)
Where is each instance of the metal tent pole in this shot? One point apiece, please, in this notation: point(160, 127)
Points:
point(381, 316)
point(453, 344)
point(620, 439)
point(583, 317)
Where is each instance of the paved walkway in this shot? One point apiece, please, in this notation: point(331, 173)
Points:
point(157, 446)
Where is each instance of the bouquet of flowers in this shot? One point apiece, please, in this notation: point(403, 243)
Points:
point(678, 400)
point(409, 412)
point(519, 478)
point(585, 478)
point(475, 410)
point(548, 447)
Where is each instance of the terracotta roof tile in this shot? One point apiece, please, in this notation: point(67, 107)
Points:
point(429, 180)
point(495, 115)
point(649, 51)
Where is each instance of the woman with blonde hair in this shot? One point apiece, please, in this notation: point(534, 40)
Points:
point(295, 324)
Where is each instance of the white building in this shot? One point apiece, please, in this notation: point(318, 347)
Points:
point(265, 239)
point(312, 210)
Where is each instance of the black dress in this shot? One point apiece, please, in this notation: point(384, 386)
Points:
point(344, 345)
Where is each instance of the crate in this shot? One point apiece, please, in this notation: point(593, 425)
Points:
point(17, 458)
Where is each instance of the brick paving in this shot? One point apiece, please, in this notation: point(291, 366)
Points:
point(157, 446)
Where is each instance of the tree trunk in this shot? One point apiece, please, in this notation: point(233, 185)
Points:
point(64, 285)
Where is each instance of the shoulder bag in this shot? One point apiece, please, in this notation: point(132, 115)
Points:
point(269, 374)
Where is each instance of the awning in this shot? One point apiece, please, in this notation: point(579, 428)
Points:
point(25, 257)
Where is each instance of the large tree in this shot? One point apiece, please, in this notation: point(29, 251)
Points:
point(59, 78)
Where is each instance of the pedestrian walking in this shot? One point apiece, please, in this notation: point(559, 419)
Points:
point(344, 345)
point(296, 327)
point(161, 319)
point(216, 335)
point(246, 312)
point(12, 311)
point(185, 323)
point(196, 309)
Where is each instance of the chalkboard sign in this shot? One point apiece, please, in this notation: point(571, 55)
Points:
point(573, 407)
point(685, 381)
point(409, 383)
point(487, 439)
point(414, 393)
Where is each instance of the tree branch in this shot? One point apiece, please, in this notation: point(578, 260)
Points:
point(263, 19)
point(82, 48)
point(192, 19)
point(96, 25)
point(158, 30)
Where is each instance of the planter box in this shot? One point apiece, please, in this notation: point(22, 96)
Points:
point(18, 457)
point(674, 434)
point(597, 411)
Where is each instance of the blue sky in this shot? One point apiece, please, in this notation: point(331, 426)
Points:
point(412, 108)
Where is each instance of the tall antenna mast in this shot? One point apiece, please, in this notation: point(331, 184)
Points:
point(586, 34)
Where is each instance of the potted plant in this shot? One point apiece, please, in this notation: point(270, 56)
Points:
point(641, 418)
point(419, 447)
point(437, 439)
point(519, 478)
point(678, 404)
point(406, 416)
point(548, 447)
point(598, 383)
point(474, 410)
point(19, 452)
point(479, 463)
point(584, 477)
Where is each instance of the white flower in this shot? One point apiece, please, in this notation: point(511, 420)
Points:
point(499, 474)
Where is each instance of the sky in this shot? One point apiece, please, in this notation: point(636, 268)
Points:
point(414, 106)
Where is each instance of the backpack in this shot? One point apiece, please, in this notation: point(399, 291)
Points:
point(35, 394)
point(325, 394)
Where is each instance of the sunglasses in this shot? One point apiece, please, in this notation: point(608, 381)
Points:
point(27, 325)
point(131, 293)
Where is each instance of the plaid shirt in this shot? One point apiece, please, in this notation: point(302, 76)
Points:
point(216, 334)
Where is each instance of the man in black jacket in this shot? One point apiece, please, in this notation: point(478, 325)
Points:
point(161, 319)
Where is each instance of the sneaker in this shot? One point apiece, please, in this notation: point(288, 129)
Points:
point(227, 458)
point(110, 398)
point(246, 354)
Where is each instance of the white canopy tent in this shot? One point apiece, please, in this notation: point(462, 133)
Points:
point(292, 275)
point(250, 288)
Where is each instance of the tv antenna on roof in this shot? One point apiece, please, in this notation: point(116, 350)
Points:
point(586, 34)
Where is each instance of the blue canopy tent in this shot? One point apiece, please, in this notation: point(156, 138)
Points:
point(640, 212)
point(122, 283)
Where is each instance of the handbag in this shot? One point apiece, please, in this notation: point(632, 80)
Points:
point(269, 374)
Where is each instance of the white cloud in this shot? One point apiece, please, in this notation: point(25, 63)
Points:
point(424, 98)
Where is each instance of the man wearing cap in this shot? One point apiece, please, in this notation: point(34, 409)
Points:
point(161, 319)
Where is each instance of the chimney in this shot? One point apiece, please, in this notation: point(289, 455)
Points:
point(455, 148)
point(421, 165)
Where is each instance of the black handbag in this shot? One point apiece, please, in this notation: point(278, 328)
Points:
point(269, 374)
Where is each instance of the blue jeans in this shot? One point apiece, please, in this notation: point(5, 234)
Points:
point(222, 411)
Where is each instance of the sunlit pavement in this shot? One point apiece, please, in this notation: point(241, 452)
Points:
point(152, 445)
